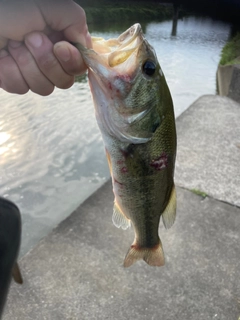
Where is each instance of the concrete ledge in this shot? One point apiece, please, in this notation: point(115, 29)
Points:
point(234, 88)
point(224, 76)
point(208, 154)
point(228, 78)
point(76, 272)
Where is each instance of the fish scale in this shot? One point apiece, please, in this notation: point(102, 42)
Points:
point(134, 111)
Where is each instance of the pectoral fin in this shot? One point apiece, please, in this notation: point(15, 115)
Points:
point(169, 214)
point(119, 219)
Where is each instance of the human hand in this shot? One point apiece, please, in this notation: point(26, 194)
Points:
point(35, 53)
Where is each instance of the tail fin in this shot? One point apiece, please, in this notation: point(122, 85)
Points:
point(153, 256)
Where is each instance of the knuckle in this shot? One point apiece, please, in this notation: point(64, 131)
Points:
point(23, 59)
point(21, 55)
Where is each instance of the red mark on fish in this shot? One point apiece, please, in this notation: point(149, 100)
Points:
point(120, 162)
point(124, 170)
point(161, 162)
point(124, 77)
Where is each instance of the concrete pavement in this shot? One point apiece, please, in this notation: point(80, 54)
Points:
point(208, 156)
point(76, 271)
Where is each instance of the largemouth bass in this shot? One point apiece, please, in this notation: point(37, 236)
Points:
point(134, 111)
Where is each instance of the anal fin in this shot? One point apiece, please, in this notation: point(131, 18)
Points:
point(169, 214)
point(119, 219)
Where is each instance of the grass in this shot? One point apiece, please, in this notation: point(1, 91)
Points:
point(113, 11)
point(231, 51)
point(108, 13)
point(199, 193)
point(82, 79)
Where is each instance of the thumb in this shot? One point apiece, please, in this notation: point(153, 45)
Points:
point(70, 58)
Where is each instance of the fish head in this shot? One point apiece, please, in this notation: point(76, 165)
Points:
point(125, 76)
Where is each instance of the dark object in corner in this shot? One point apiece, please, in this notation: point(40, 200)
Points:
point(10, 238)
point(225, 10)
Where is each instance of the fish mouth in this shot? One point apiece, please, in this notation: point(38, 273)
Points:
point(112, 52)
point(128, 36)
point(128, 42)
point(113, 67)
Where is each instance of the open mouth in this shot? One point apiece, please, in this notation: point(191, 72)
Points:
point(110, 53)
point(120, 49)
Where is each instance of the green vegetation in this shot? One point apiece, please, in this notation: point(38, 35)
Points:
point(121, 11)
point(128, 13)
point(231, 51)
point(199, 193)
point(82, 79)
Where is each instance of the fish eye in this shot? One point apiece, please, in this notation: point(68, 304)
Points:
point(149, 67)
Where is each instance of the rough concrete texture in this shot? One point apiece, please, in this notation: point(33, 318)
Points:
point(208, 157)
point(76, 272)
point(234, 88)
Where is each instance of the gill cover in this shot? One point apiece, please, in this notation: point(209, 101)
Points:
point(116, 74)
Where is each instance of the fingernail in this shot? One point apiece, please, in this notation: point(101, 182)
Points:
point(3, 53)
point(35, 40)
point(62, 52)
point(14, 44)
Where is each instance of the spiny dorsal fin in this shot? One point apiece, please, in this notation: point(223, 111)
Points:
point(169, 214)
point(119, 219)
